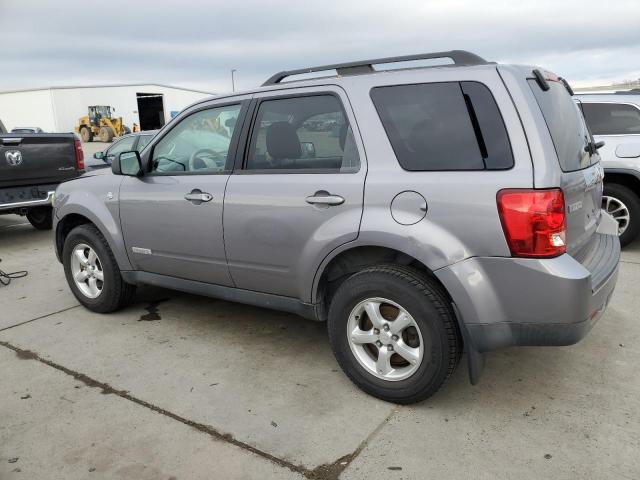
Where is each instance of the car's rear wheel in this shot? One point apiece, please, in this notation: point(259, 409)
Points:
point(393, 333)
point(41, 217)
point(624, 206)
point(92, 272)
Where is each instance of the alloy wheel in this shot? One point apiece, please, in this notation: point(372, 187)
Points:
point(385, 339)
point(618, 210)
point(87, 272)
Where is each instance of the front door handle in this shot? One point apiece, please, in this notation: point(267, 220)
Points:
point(324, 198)
point(197, 196)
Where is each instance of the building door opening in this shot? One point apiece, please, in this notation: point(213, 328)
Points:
point(150, 110)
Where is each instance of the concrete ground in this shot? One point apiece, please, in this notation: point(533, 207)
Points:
point(89, 148)
point(184, 387)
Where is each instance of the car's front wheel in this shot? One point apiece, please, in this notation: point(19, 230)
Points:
point(92, 272)
point(393, 333)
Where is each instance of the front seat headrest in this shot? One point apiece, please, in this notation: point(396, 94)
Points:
point(283, 141)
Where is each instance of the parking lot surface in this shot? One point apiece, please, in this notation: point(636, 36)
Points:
point(180, 387)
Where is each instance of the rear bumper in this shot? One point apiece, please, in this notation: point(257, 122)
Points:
point(18, 198)
point(508, 302)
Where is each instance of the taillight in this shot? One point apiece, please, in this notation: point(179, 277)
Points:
point(533, 221)
point(79, 156)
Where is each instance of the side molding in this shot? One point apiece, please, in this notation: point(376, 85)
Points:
point(258, 299)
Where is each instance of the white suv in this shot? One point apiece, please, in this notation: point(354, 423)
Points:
point(615, 119)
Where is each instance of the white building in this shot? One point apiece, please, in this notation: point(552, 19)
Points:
point(57, 109)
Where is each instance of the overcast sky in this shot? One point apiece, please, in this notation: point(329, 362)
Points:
point(195, 43)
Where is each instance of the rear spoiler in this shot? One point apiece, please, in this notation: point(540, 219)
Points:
point(543, 80)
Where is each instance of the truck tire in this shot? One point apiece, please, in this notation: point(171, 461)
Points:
point(106, 134)
point(41, 217)
point(92, 271)
point(405, 362)
point(86, 135)
point(624, 205)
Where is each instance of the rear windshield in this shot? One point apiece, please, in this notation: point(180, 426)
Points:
point(566, 125)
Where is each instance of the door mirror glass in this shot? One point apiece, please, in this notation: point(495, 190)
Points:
point(98, 155)
point(127, 163)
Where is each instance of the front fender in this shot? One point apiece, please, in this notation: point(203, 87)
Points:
point(98, 202)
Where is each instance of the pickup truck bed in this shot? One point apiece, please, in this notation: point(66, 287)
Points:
point(31, 167)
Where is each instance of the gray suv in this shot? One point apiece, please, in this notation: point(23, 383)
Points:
point(614, 118)
point(419, 211)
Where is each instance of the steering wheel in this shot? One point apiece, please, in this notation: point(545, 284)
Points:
point(207, 152)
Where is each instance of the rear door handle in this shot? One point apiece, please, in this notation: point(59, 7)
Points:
point(197, 196)
point(324, 198)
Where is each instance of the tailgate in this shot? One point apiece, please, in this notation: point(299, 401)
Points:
point(32, 159)
point(583, 199)
point(581, 178)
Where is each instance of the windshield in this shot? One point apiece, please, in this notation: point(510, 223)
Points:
point(102, 111)
point(566, 125)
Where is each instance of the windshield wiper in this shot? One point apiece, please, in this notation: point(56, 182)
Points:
point(593, 147)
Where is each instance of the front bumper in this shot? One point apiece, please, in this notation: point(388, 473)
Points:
point(506, 302)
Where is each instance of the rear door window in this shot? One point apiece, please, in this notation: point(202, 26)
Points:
point(612, 118)
point(566, 125)
point(444, 126)
point(300, 134)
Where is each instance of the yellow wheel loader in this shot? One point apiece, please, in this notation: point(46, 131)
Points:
point(99, 123)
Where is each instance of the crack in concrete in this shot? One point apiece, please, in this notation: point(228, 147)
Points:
point(38, 318)
point(328, 471)
point(630, 261)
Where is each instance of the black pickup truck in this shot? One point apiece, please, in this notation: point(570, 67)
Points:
point(32, 165)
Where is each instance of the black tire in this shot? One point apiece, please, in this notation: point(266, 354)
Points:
point(41, 217)
point(116, 293)
point(86, 134)
point(426, 302)
point(106, 134)
point(632, 201)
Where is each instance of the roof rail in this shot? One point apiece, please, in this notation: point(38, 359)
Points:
point(459, 57)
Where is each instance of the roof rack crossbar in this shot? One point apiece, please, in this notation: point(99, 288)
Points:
point(459, 57)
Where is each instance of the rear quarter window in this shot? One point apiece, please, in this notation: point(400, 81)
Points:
point(565, 124)
point(444, 126)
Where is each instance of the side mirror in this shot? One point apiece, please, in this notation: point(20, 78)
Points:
point(98, 155)
point(308, 149)
point(127, 163)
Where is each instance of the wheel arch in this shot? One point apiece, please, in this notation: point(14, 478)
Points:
point(349, 259)
point(627, 178)
point(72, 218)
